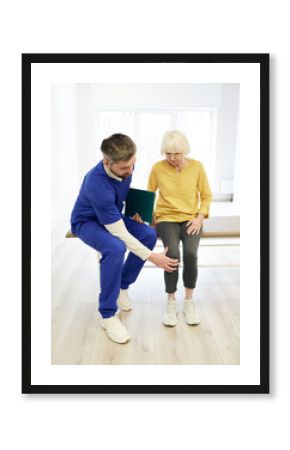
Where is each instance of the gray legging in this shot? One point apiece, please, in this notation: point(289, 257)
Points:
point(171, 233)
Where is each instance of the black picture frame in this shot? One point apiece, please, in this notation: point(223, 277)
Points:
point(247, 58)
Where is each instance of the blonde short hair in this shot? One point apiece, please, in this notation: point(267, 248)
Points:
point(174, 142)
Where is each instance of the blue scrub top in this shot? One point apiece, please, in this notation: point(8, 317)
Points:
point(101, 198)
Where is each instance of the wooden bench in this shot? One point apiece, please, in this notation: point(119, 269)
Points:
point(69, 234)
point(218, 226)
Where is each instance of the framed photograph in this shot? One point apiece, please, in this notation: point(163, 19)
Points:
point(112, 304)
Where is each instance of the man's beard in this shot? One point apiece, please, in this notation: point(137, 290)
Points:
point(124, 177)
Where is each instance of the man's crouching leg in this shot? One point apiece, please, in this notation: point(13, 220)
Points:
point(111, 265)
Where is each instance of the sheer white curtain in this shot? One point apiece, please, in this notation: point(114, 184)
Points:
point(200, 129)
point(109, 122)
point(150, 129)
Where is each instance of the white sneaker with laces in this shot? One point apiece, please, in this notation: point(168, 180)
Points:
point(169, 317)
point(115, 329)
point(191, 315)
point(124, 302)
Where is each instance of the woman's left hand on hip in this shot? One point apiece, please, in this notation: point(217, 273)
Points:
point(194, 226)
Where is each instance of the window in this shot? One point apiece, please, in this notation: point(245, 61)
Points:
point(146, 128)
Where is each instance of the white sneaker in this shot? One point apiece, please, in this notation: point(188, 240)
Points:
point(169, 317)
point(115, 329)
point(191, 315)
point(124, 302)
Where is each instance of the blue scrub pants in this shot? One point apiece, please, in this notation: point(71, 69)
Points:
point(115, 273)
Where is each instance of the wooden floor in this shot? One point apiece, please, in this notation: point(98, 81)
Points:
point(78, 339)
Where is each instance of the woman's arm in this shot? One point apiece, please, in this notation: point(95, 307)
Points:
point(152, 186)
point(204, 192)
point(194, 225)
point(152, 181)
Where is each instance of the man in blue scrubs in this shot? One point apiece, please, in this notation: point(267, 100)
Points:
point(98, 221)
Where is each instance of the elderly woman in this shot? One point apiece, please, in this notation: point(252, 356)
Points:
point(182, 205)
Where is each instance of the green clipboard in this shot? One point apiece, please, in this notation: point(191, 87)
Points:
point(141, 202)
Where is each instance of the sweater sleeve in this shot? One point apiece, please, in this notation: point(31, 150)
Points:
point(152, 181)
point(204, 193)
point(119, 230)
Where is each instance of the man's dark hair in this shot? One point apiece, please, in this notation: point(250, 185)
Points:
point(118, 147)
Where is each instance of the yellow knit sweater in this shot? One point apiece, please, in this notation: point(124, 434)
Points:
point(182, 194)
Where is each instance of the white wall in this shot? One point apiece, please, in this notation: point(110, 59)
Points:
point(155, 96)
point(87, 150)
point(65, 165)
point(227, 126)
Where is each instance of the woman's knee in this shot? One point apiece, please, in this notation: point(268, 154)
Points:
point(173, 251)
point(190, 254)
